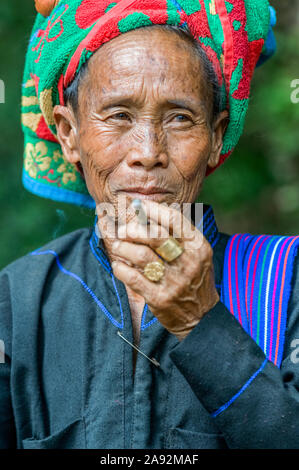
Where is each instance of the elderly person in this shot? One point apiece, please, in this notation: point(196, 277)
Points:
point(133, 340)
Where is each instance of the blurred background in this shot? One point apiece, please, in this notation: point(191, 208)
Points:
point(255, 191)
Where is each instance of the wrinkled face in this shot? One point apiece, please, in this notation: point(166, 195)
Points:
point(144, 127)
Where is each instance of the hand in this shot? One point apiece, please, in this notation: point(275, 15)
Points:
point(187, 290)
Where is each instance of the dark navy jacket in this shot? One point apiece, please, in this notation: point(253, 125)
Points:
point(67, 380)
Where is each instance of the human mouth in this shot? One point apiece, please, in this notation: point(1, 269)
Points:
point(152, 193)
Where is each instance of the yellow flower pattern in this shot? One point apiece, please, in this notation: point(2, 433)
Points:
point(59, 170)
point(36, 158)
point(67, 170)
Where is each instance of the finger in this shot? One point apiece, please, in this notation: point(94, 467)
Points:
point(106, 222)
point(135, 280)
point(138, 255)
point(171, 218)
point(151, 235)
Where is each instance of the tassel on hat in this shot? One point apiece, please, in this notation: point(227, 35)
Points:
point(44, 7)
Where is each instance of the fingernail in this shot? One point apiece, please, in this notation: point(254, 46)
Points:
point(115, 245)
point(114, 263)
point(121, 231)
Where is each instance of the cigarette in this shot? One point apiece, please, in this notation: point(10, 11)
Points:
point(141, 215)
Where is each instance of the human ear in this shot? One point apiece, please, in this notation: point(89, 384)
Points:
point(66, 126)
point(218, 129)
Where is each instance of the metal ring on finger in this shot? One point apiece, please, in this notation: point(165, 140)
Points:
point(154, 271)
point(170, 250)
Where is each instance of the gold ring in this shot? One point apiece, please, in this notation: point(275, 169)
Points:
point(154, 271)
point(170, 249)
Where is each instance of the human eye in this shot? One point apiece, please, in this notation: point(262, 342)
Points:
point(120, 116)
point(181, 118)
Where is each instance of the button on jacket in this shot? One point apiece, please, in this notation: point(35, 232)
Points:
point(67, 380)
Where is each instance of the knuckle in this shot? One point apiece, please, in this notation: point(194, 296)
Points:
point(142, 256)
point(162, 300)
point(134, 278)
point(179, 289)
point(190, 269)
point(206, 251)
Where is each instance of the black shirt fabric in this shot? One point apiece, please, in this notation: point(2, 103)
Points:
point(67, 380)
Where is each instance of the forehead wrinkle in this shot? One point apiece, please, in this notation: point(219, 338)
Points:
point(161, 86)
point(145, 64)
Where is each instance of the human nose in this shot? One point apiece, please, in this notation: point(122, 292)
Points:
point(148, 149)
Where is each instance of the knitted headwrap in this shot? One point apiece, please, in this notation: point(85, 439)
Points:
point(236, 35)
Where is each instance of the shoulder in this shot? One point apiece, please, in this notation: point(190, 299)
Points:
point(29, 282)
point(272, 259)
point(268, 267)
point(33, 263)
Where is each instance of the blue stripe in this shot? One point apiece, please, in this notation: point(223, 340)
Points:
point(215, 240)
point(176, 5)
point(227, 404)
point(204, 217)
point(90, 292)
point(212, 224)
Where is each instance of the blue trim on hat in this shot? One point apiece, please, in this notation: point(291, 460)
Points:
point(57, 194)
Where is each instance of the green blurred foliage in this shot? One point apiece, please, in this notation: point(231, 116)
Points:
point(255, 191)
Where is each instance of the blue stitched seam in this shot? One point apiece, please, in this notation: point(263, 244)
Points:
point(153, 320)
point(98, 257)
point(99, 250)
point(101, 260)
point(90, 292)
point(118, 298)
point(144, 313)
point(227, 404)
point(113, 279)
point(102, 255)
point(143, 327)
